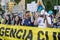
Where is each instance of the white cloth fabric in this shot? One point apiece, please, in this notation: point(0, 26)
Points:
point(3, 2)
point(49, 20)
point(41, 22)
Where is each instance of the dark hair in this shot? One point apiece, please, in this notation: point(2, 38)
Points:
point(27, 11)
point(41, 15)
point(7, 21)
point(58, 18)
point(19, 21)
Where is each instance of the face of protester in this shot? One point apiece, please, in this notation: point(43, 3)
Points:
point(27, 15)
point(36, 16)
point(16, 18)
point(58, 21)
point(10, 11)
point(53, 16)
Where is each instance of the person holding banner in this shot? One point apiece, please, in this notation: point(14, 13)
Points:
point(27, 21)
point(43, 19)
point(0, 19)
point(16, 20)
point(57, 23)
point(35, 19)
point(40, 21)
point(6, 19)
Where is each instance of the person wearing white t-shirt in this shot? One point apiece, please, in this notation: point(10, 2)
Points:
point(41, 22)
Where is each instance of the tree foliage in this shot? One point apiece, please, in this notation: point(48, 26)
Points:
point(49, 4)
point(17, 1)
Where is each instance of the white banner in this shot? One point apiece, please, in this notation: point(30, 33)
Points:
point(57, 7)
point(3, 2)
point(32, 7)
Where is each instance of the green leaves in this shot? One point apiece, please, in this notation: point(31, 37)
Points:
point(17, 1)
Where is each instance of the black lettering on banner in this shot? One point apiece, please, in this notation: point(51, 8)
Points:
point(40, 32)
point(46, 34)
point(18, 33)
point(2, 31)
point(12, 32)
point(7, 31)
point(0, 39)
point(58, 35)
point(54, 36)
point(24, 34)
point(30, 35)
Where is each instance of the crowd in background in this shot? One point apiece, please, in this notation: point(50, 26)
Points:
point(38, 19)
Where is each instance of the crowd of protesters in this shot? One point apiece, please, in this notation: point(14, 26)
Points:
point(38, 19)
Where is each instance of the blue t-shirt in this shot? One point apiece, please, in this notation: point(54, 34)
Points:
point(27, 22)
